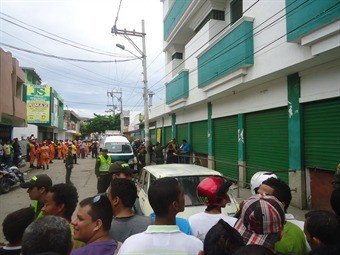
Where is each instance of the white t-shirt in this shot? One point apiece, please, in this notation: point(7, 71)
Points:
point(161, 240)
point(201, 223)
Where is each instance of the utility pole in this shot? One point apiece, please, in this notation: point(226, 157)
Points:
point(118, 94)
point(126, 34)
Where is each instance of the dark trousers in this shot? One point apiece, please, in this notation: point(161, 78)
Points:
point(68, 175)
point(74, 158)
point(103, 183)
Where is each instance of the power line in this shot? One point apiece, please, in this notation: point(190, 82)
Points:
point(65, 58)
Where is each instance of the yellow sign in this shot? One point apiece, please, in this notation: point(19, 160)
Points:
point(38, 103)
point(159, 135)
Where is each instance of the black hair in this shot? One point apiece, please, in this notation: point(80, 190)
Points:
point(222, 239)
point(323, 225)
point(162, 193)
point(65, 194)
point(47, 235)
point(124, 189)
point(100, 209)
point(281, 190)
point(335, 201)
point(15, 224)
point(254, 249)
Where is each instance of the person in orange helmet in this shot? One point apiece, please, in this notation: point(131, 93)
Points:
point(31, 153)
point(52, 151)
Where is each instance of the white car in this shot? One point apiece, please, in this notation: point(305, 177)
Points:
point(189, 176)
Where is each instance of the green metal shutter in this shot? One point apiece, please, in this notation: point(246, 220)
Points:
point(226, 146)
point(153, 136)
point(199, 136)
point(182, 133)
point(167, 134)
point(266, 141)
point(321, 121)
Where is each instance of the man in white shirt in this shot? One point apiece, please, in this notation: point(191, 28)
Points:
point(213, 191)
point(166, 197)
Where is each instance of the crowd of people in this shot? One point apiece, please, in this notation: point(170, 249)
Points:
point(42, 153)
point(109, 222)
point(172, 151)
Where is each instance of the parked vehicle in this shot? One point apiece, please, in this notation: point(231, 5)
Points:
point(187, 175)
point(119, 149)
point(10, 176)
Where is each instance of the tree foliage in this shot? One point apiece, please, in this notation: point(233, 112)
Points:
point(100, 123)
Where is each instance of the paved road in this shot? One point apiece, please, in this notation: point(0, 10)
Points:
point(82, 176)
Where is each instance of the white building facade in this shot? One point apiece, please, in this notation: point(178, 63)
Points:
point(253, 86)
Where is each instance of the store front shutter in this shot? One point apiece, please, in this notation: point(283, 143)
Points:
point(167, 135)
point(153, 136)
point(226, 146)
point(199, 140)
point(321, 126)
point(182, 133)
point(266, 142)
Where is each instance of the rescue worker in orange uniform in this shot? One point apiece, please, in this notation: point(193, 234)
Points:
point(77, 144)
point(59, 148)
point(45, 155)
point(31, 153)
point(38, 154)
point(86, 149)
point(52, 151)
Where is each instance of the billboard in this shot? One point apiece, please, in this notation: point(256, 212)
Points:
point(38, 104)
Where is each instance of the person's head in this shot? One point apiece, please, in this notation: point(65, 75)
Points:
point(335, 198)
point(254, 249)
point(104, 151)
point(157, 144)
point(93, 219)
point(222, 239)
point(121, 169)
point(184, 141)
point(38, 186)
point(166, 197)
point(47, 234)
point(322, 228)
point(277, 188)
point(257, 179)
point(61, 200)
point(261, 221)
point(15, 224)
point(213, 192)
point(122, 192)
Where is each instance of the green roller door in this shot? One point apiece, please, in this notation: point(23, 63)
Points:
point(266, 141)
point(153, 136)
point(199, 133)
point(167, 134)
point(321, 121)
point(182, 133)
point(226, 146)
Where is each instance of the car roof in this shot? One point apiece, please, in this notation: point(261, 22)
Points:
point(116, 138)
point(177, 170)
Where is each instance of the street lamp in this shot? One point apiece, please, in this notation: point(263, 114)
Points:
point(145, 81)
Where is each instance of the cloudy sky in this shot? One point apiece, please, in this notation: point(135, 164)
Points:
point(81, 29)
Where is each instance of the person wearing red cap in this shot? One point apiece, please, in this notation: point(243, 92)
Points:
point(213, 192)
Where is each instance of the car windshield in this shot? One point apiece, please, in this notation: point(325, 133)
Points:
point(190, 184)
point(118, 147)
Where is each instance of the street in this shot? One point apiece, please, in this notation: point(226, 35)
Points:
point(82, 176)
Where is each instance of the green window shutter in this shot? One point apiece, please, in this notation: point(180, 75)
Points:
point(168, 133)
point(321, 121)
point(182, 133)
point(266, 141)
point(226, 146)
point(153, 136)
point(200, 136)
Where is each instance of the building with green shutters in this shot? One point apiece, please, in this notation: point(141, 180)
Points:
point(254, 86)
